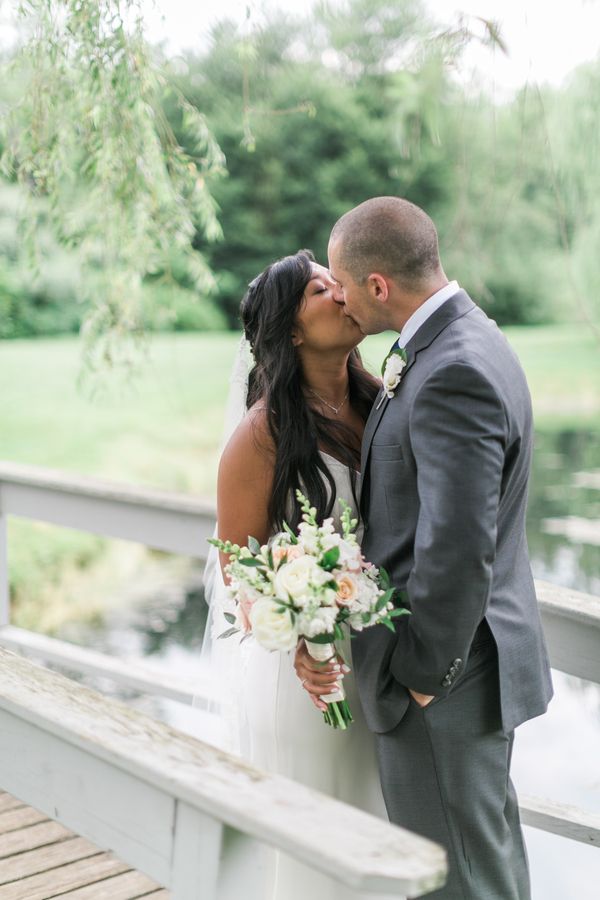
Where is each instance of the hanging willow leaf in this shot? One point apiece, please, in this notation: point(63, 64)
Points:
point(87, 133)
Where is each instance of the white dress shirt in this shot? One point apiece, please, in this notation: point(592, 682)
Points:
point(420, 315)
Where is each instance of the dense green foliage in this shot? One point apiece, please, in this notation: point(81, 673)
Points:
point(123, 164)
point(358, 113)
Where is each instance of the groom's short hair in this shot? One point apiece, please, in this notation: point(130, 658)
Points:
point(391, 236)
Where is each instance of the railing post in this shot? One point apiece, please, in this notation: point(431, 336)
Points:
point(196, 854)
point(4, 581)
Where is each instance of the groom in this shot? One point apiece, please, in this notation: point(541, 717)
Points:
point(445, 465)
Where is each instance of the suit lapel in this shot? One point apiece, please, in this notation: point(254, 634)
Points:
point(455, 307)
point(375, 415)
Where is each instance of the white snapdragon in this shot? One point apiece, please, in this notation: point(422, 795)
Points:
point(319, 621)
point(309, 537)
point(350, 555)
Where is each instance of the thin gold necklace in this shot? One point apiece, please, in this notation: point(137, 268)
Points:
point(336, 409)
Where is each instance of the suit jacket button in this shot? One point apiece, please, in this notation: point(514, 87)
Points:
point(447, 681)
point(457, 663)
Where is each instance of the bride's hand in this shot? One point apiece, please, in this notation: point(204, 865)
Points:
point(318, 677)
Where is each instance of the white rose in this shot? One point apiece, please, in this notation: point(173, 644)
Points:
point(392, 372)
point(297, 578)
point(272, 628)
point(395, 364)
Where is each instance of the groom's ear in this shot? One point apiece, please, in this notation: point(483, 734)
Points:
point(378, 287)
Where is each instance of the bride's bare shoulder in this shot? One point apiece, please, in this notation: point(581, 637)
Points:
point(251, 444)
point(245, 480)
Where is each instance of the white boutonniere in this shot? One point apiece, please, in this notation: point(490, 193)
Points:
point(393, 366)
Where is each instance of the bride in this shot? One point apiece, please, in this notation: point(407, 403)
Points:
point(308, 398)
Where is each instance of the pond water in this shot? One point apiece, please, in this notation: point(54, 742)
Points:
point(556, 756)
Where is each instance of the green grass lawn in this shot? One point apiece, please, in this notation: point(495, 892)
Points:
point(163, 429)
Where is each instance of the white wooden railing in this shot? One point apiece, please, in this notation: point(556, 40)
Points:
point(181, 524)
point(181, 811)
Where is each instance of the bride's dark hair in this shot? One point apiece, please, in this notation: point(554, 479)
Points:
point(269, 311)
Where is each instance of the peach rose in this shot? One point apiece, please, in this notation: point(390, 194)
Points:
point(292, 551)
point(347, 590)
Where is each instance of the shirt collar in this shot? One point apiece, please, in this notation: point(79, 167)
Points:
point(420, 315)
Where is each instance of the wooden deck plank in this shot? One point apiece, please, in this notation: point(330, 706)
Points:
point(8, 802)
point(42, 859)
point(45, 860)
point(14, 819)
point(39, 835)
point(127, 886)
point(58, 881)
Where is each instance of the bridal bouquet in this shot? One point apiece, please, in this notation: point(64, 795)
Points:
point(309, 585)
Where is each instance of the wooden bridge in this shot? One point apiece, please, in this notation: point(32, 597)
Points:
point(103, 801)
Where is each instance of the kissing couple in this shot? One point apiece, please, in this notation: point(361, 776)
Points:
point(435, 464)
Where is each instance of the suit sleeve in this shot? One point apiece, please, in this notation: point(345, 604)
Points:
point(458, 432)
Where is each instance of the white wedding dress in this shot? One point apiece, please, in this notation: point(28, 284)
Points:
point(281, 732)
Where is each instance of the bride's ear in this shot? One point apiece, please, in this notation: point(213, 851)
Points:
point(297, 338)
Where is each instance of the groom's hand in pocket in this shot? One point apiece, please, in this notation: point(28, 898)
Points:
point(421, 699)
point(318, 677)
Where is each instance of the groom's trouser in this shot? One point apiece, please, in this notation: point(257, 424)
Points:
point(445, 775)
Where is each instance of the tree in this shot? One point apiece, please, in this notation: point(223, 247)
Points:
point(305, 139)
point(88, 136)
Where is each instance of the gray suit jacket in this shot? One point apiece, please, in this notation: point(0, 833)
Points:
point(445, 471)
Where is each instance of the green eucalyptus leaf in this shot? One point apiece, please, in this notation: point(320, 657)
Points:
point(228, 633)
point(253, 545)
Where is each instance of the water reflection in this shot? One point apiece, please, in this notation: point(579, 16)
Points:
point(184, 627)
point(557, 756)
point(554, 494)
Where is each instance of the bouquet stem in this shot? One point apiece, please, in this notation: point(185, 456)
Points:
point(338, 713)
